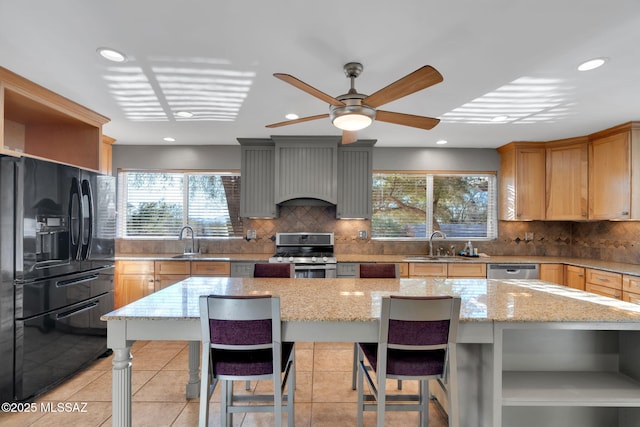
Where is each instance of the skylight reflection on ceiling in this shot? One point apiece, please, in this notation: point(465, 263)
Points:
point(525, 100)
point(169, 86)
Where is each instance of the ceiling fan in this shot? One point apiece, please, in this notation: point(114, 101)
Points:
point(354, 111)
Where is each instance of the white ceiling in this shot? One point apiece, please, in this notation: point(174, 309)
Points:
point(513, 57)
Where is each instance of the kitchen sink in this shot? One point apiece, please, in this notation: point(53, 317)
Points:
point(185, 256)
point(433, 258)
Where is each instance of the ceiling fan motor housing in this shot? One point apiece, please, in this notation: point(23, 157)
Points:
point(361, 115)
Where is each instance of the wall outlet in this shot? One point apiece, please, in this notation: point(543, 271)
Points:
point(528, 236)
point(362, 234)
point(251, 234)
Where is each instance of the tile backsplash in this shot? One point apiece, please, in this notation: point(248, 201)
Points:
point(602, 240)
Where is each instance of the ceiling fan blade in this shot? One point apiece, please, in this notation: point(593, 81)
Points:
point(407, 119)
point(309, 89)
point(420, 79)
point(349, 136)
point(300, 120)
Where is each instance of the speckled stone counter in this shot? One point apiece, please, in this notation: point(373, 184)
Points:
point(358, 300)
point(520, 343)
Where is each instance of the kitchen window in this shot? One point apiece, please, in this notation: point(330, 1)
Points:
point(413, 205)
point(159, 203)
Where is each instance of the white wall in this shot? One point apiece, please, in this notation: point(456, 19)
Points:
point(228, 157)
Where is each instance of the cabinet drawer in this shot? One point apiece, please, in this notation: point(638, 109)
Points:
point(427, 269)
point(631, 284)
point(134, 267)
point(164, 280)
point(172, 267)
point(631, 297)
point(210, 268)
point(604, 278)
point(467, 270)
point(604, 290)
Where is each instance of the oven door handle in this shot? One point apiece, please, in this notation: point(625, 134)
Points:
point(314, 267)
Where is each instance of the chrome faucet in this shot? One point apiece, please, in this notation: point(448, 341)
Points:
point(193, 239)
point(435, 233)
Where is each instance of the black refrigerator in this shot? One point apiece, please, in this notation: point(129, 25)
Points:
point(57, 242)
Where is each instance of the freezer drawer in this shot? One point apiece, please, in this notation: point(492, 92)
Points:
point(45, 295)
point(54, 345)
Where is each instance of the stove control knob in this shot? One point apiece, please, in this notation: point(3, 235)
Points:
point(324, 258)
point(279, 259)
point(313, 259)
point(290, 259)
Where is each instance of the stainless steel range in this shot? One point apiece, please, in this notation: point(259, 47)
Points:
point(311, 253)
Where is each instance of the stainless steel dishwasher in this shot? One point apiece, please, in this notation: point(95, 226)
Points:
point(513, 271)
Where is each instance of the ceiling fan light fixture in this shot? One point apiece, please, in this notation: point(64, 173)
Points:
point(352, 117)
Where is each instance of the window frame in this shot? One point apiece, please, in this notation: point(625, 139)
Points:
point(122, 197)
point(492, 214)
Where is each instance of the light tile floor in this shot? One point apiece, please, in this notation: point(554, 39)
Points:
point(323, 393)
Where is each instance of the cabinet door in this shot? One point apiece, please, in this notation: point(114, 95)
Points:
point(427, 269)
point(354, 182)
point(609, 177)
point(522, 182)
point(134, 287)
point(257, 198)
point(631, 284)
point(567, 182)
point(210, 268)
point(574, 277)
point(631, 297)
point(465, 269)
point(553, 273)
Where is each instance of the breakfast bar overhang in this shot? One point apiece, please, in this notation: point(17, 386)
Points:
point(528, 350)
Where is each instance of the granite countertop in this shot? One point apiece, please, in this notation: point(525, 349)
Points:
point(359, 299)
point(617, 267)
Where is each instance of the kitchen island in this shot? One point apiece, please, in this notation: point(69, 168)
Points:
point(528, 351)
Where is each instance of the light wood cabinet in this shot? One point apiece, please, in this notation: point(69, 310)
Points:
point(614, 171)
point(466, 269)
point(166, 273)
point(574, 277)
point(631, 289)
point(133, 280)
point(603, 283)
point(522, 181)
point(42, 124)
point(210, 268)
point(106, 155)
point(427, 269)
point(553, 273)
point(567, 179)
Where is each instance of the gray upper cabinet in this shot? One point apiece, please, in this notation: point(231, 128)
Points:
point(306, 167)
point(258, 172)
point(354, 180)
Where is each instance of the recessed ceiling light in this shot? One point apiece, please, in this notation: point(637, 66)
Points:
point(441, 142)
point(291, 116)
point(111, 54)
point(184, 114)
point(500, 119)
point(591, 64)
point(168, 139)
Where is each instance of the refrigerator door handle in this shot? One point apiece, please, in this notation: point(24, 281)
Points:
point(87, 229)
point(75, 218)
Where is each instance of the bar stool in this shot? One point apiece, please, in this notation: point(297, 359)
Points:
point(373, 271)
point(273, 270)
point(417, 341)
point(241, 341)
